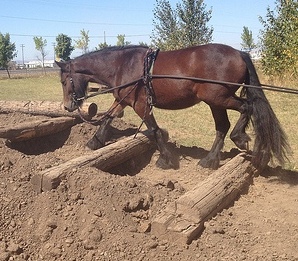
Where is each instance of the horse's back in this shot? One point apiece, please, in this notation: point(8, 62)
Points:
point(210, 62)
point(201, 61)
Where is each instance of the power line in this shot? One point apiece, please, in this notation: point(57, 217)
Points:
point(70, 22)
point(97, 36)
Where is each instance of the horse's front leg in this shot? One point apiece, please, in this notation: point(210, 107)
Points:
point(102, 134)
point(222, 126)
point(166, 159)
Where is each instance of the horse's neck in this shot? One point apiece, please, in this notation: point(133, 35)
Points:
point(105, 71)
point(92, 72)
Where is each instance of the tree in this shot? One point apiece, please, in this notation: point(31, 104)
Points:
point(280, 39)
point(166, 33)
point(102, 46)
point(143, 44)
point(63, 48)
point(7, 51)
point(40, 45)
point(193, 19)
point(247, 40)
point(121, 40)
point(83, 42)
point(183, 26)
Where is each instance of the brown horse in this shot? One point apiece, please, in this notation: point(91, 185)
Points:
point(124, 66)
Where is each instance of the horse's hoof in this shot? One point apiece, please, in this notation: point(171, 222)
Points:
point(261, 160)
point(242, 142)
point(93, 144)
point(209, 163)
point(164, 164)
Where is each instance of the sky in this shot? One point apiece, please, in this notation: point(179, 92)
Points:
point(105, 19)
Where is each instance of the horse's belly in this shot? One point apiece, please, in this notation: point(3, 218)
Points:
point(173, 101)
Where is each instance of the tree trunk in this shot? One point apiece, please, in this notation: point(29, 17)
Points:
point(8, 73)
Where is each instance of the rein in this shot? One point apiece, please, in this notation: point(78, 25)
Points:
point(180, 77)
point(265, 86)
point(113, 88)
point(107, 113)
point(151, 99)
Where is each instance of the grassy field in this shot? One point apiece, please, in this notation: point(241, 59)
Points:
point(190, 127)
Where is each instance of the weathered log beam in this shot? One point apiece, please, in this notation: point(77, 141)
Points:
point(104, 159)
point(184, 219)
point(48, 108)
point(37, 128)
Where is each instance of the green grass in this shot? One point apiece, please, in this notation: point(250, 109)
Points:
point(189, 127)
point(46, 87)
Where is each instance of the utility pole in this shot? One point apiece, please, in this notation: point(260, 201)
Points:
point(22, 46)
point(54, 45)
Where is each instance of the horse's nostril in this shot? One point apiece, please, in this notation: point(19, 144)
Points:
point(68, 109)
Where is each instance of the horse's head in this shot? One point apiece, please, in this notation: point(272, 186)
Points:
point(74, 86)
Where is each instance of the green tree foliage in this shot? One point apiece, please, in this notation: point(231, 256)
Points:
point(166, 33)
point(193, 19)
point(247, 39)
point(102, 46)
point(143, 44)
point(183, 26)
point(40, 45)
point(280, 39)
point(83, 42)
point(121, 40)
point(7, 51)
point(63, 48)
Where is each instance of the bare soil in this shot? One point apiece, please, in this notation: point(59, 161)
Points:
point(96, 215)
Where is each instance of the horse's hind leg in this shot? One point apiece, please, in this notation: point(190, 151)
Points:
point(238, 134)
point(222, 126)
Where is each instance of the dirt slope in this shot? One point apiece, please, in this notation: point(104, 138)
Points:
point(95, 215)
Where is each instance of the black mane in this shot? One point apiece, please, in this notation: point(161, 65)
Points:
point(113, 48)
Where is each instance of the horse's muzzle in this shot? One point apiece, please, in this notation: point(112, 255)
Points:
point(70, 106)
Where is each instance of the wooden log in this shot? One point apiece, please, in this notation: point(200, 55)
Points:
point(184, 219)
point(88, 110)
point(48, 108)
point(103, 159)
point(37, 128)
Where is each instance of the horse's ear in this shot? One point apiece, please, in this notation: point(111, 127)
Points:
point(62, 65)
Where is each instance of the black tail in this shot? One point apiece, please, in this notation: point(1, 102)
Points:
point(270, 139)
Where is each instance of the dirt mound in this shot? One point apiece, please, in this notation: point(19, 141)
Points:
point(96, 215)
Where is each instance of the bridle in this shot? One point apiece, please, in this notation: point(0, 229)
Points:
point(76, 100)
point(74, 95)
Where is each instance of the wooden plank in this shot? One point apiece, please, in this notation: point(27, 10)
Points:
point(184, 219)
point(104, 158)
point(37, 128)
